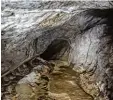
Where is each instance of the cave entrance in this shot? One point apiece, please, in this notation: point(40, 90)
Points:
point(58, 49)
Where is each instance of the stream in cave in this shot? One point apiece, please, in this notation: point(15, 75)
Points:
point(62, 85)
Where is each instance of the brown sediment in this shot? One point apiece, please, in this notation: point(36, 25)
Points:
point(64, 84)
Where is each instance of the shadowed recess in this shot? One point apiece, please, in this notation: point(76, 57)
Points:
point(56, 49)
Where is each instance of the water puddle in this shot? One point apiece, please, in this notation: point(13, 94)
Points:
point(64, 84)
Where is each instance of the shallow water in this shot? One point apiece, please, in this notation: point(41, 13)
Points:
point(64, 84)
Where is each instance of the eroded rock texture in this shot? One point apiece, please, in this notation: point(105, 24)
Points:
point(93, 49)
point(28, 28)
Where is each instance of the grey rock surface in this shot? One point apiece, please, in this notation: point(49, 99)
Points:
point(28, 28)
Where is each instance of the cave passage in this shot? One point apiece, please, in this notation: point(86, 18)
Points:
point(56, 50)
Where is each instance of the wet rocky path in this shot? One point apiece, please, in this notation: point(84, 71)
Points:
point(64, 83)
point(60, 84)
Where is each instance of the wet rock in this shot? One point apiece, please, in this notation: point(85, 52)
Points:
point(60, 86)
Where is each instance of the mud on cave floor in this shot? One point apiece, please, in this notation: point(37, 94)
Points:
point(62, 84)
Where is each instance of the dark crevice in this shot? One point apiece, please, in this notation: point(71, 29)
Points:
point(56, 49)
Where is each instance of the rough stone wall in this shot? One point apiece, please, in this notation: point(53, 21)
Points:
point(92, 51)
point(28, 30)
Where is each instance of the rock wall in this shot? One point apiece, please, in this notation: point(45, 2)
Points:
point(28, 28)
point(92, 52)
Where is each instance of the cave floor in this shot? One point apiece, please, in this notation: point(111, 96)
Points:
point(62, 84)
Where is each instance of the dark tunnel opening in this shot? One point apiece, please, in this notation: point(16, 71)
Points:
point(56, 50)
